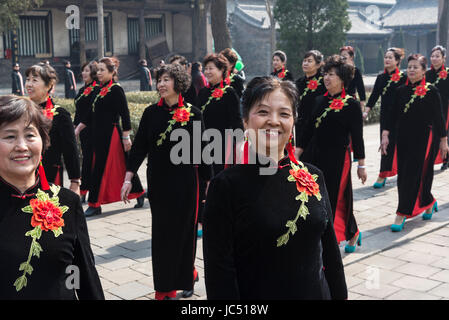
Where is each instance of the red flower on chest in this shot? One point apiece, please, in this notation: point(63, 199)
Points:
point(218, 93)
point(443, 74)
point(87, 91)
point(337, 104)
point(46, 215)
point(312, 85)
point(104, 91)
point(396, 77)
point(181, 115)
point(305, 182)
point(421, 91)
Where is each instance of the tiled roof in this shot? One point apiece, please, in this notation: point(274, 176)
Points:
point(360, 25)
point(412, 13)
point(254, 14)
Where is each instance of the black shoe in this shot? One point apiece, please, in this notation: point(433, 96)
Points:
point(168, 298)
point(189, 293)
point(83, 199)
point(91, 211)
point(140, 201)
point(444, 166)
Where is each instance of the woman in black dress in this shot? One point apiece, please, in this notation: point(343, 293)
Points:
point(335, 120)
point(233, 79)
point(173, 188)
point(40, 81)
point(279, 62)
point(385, 88)
point(437, 75)
point(83, 121)
point(42, 222)
point(110, 144)
point(220, 106)
point(418, 118)
point(356, 85)
point(257, 244)
point(309, 87)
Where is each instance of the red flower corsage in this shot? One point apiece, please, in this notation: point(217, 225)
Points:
point(307, 187)
point(312, 85)
point(218, 93)
point(337, 104)
point(46, 216)
point(443, 74)
point(181, 115)
point(420, 91)
point(87, 91)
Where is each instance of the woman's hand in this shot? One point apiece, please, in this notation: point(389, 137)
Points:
point(75, 187)
point(127, 143)
point(127, 186)
point(367, 110)
point(126, 189)
point(444, 149)
point(384, 142)
point(361, 173)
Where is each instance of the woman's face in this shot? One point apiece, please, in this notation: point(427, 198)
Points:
point(270, 123)
point(277, 63)
point(437, 59)
point(345, 54)
point(309, 65)
point(103, 73)
point(415, 71)
point(390, 61)
point(85, 74)
point(20, 151)
point(36, 88)
point(333, 82)
point(165, 86)
point(212, 73)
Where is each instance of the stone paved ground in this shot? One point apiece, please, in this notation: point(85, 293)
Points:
point(412, 264)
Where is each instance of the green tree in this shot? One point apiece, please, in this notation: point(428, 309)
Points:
point(10, 10)
point(359, 61)
point(311, 24)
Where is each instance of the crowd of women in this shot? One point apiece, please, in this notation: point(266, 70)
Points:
point(266, 236)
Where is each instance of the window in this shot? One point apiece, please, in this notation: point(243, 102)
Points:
point(153, 27)
point(91, 33)
point(32, 36)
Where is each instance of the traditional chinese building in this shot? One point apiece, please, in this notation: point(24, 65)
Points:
point(169, 27)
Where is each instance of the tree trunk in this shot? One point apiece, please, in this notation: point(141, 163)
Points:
point(142, 51)
point(443, 23)
point(100, 21)
point(83, 57)
point(220, 31)
point(199, 24)
point(269, 4)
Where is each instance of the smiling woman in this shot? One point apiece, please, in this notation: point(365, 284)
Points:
point(31, 208)
point(258, 244)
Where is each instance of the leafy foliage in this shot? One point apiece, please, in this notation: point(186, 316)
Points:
point(10, 10)
point(311, 24)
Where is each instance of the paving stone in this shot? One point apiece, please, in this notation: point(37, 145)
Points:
point(416, 269)
point(416, 283)
point(131, 290)
point(441, 291)
point(412, 295)
point(443, 263)
point(383, 262)
point(122, 276)
point(419, 257)
point(442, 276)
point(380, 292)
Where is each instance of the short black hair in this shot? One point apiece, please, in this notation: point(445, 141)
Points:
point(420, 58)
point(178, 73)
point(13, 107)
point(218, 61)
point(317, 56)
point(182, 60)
point(343, 70)
point(281, 55)
point(259, 87)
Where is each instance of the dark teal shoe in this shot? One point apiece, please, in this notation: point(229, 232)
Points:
point(351, 249)
point(398, 227)
point(428, 216)
point(378, 185)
